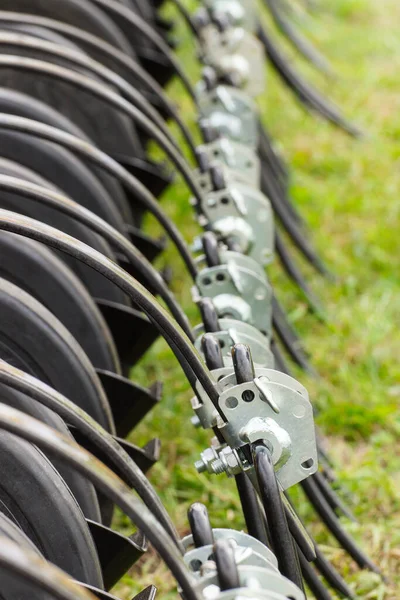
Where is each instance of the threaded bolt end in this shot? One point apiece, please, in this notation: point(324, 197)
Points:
point(200, 466)
point(218, 466)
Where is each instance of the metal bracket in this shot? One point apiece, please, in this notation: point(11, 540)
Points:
point(203, 407)
point(257, 583)
point(238, 160)
point(239, 13)
point(236, 53)
point(231, 112)
point(240, 290)
point(235, 332)
point(257, 566)
point(275, 408)
point(248, 551)
point(243, 213)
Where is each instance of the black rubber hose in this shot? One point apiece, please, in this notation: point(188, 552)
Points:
point(107, 482)
point(323, 565)
point(296, 235)
point(209, 315)
point(295, 528)
point(71, 208)
point(332, 522)
point(188, 357)
point(297, 40)
point(107, 50)
point(100, 438)
point(295, 274)
point(282, 541)
point(211, 250)
point(278, 194)
point(93, 155)
point(138, 24)
point(251, 509)
point(104, 93)
point(329, 572)
point(77, 58)
point(331, 497)
point(200, 525)
point(288, 338)
point(181, 8)
point(280, 361)
point(266, 149)
point(212, 352)
point(228, 574)
point(47, 580)
point(243, 363)
point(311, 578)
point(304, 92)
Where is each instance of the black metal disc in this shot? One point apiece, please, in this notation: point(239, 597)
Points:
point(38, 271)
point(42, 505)
point(20, 149)
point(112, 131)
point(32, 339)
point(17, 103)
point(80, 487)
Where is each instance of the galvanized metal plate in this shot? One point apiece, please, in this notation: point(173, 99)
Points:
point(245, 214)
point(239, 289)
point(231, 112)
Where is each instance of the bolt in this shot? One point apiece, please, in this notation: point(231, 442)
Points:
point(195, 421)
point(218, 466)
point(200, 466)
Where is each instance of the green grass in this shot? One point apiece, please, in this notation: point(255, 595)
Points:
point(348, 192)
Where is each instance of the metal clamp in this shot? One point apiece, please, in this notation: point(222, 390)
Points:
point(233, 332)
point(255, 582)
point(240, 161)
point(236, 53)
point(259, 577)
point(239, 289)
point(248, 551)
point(275, 408)
point(244, 214)
point(231, 112)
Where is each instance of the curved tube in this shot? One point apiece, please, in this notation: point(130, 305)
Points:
point(104, 93)
point(104, 48)
point(228, 574)
point(71, 208)
point(140, 25)
point(200, 525)
point(78, 59)
point(306, 94)
point(332, 522)
point(294, 273)
point(255, 521)
point(29, 567)
point(44, 394)
point(105, 480)
point(188, 356)
point(282, 541)
point(93, 155)
point(297, 40)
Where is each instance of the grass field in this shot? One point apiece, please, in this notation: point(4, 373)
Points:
point(347, 190)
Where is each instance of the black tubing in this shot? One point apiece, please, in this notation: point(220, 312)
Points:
point(101, 159)
point(200, 525)
point(282, 541)
point(106, 49)
point(107, 482)
point(71, 208)
point(187, 355)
